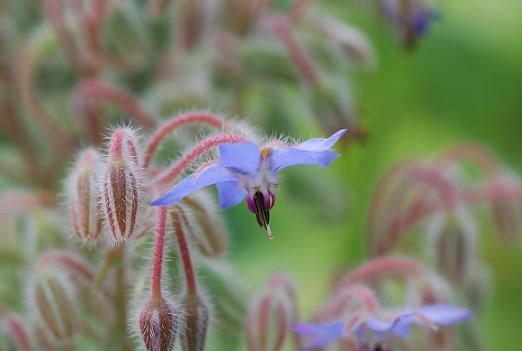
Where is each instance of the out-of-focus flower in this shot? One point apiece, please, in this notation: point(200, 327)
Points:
point(379, 328)
point(410, 19)
point(270, 315)
point(245, 170)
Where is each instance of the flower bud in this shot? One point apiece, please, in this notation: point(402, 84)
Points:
point(453, 243)
point(14, 334)
point(158, 325)
point(83, 198)
point(204, 226)
point(197, 317)
point(121, 186)
point(54, 305)
point(270, 315)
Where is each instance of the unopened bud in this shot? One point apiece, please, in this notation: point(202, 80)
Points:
point(270, 315)
point(14, 334)
point(121, 185)
point(158, 325)
point(197, 318)
point(453, 241)
point(204, 226)
point(83, 198)
point(55, 305)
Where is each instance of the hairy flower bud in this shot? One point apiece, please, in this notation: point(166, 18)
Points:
point(197, 318)
point(121, 186)
point(14, 334)
point(270, 315)
point(204, 226)
point(54, 305)
point(158, 326)
point(83, 198)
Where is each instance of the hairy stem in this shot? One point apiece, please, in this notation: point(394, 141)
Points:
point(188, 268)
point(158, 253)
point(178, 121)
point(178, 167)
point(302, 62)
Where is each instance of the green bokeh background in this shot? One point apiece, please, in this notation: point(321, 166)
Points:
point(463, 82)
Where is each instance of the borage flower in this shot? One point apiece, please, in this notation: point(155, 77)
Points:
point(371, 332)
point(245, 170)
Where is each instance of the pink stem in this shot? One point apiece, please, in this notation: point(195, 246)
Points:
point(54, 11)
point(490, 193)
point(304, 65)
point(90, 91)
point(158, 253)
point(188, 268)
point(194, 153)
point(178, 121)
point(69, 261)
point(381, 267)
point(476, 154)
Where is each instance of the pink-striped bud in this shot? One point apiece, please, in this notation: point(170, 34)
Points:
point(197, 318)
point(270, 315)
point(204, 226)
point(121, 185)
point(83, 197)
point(158, 326)
point(54, 305)
point(14, 334)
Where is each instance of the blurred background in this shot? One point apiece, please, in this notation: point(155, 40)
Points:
point(462, 81)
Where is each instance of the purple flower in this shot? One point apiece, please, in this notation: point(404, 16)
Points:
point(377, 329)
point(245, 170)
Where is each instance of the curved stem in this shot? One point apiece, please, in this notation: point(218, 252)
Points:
point(381, 267)
point(302, 62)
point(87, 97)
point(178, 121)
point(188, 268)
point(158, 253)
point(177, 168)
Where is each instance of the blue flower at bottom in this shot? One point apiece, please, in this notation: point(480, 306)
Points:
point(366, 328)
point(245, 170)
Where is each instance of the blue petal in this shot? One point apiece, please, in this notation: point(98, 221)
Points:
point(230, 194)
point(242, 157)
point(322, 334)
point(292, 156)
point(321, 144)
point(209, 176)
point(444, 314)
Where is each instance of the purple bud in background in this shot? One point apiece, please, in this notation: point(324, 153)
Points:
point(158, 326)
point(121, 185)
point(271, 314)
point(83, 196)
